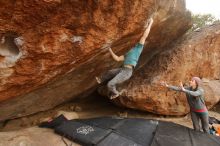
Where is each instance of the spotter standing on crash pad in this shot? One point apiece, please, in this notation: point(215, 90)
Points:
point(130, 59)
point(195, 98)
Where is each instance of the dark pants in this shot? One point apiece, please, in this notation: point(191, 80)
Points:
point(116, 76)
point(204, 118)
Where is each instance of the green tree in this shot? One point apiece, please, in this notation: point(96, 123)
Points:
point(200, 21)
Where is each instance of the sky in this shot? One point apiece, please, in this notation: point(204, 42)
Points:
point(204, 7)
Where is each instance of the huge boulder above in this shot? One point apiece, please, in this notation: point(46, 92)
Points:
point(195, 54)
point(51, 50)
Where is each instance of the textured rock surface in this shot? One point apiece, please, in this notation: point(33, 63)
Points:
point(61, 45)
point(197, 54)
point(33, 137)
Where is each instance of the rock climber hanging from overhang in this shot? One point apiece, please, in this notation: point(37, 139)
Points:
point(130, 59)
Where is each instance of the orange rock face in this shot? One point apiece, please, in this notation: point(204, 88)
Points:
point(51, 50)
point(197, 54)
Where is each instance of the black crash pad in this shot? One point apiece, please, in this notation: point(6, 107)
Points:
point(114, 131)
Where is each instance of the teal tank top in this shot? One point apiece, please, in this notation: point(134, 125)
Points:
point(132, 56)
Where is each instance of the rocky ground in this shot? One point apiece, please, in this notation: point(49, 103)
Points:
point(87, 108)
point(25, 130)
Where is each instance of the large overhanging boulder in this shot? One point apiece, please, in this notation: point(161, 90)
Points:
point(51, 50)
point(196, 54)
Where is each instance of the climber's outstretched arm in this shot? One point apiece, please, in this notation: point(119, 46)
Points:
point(146, 32)
point(115, 57)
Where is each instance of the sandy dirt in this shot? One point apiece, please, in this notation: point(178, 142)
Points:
point(95, 106)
